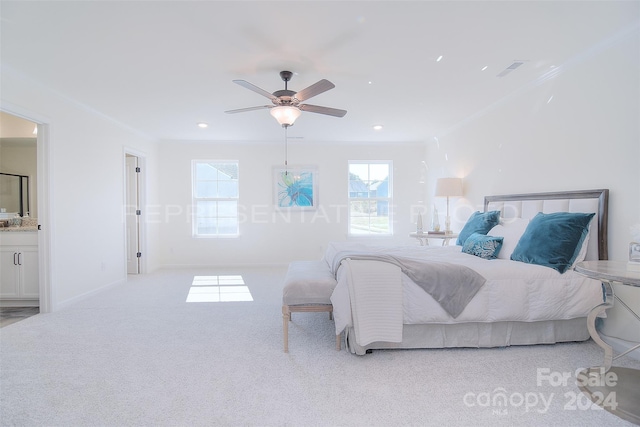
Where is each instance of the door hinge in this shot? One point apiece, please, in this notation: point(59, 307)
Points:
point(138, 212)
point(139, 255)
point(137, 169)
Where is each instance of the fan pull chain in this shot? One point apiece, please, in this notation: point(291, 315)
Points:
point(286, 172)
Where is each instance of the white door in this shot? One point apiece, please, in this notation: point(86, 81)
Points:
point(132, 214)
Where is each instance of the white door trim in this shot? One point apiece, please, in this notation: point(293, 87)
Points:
point(141, 203)
point(46, 235)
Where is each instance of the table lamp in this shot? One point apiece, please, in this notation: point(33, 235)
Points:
point(448, 187)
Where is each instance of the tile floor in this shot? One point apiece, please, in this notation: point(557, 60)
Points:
point(9, 315)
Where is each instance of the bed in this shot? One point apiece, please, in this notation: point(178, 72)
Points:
point(386, 298)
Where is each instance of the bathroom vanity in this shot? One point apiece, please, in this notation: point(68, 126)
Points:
point(19, 282)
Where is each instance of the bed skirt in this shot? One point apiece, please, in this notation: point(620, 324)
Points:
point(499, 334)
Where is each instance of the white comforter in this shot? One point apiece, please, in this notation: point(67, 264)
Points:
point(514, 291)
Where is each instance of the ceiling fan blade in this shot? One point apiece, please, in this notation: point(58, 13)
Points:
point(313, 90)
point(322, 110)
point(242, 110)
point(255, 88)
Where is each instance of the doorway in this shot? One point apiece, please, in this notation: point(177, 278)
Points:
point(133, 212)
point(21, 266)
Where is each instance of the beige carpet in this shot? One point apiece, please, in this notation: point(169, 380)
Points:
point(138, 354)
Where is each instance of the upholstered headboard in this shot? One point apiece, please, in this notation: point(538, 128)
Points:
point(528, 205)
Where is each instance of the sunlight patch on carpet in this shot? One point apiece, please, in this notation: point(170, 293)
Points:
point(218, 289)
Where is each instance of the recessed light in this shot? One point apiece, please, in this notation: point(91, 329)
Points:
point(439, 58)
point(202, 125)
point(484, 68)
point(377, 127)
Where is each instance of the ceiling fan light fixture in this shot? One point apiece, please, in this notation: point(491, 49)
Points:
point(287, 105)
point(286, 115)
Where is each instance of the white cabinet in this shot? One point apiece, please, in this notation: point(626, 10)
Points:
point(9, 273)
point(19, 267)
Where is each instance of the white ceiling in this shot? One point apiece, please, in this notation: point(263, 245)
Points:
point(162, 67)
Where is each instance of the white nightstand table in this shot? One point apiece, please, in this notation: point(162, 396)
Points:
point(423, 238)
point(614, 388)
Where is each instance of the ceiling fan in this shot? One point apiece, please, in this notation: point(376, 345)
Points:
point(287, 104)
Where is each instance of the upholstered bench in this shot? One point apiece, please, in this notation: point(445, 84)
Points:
point(308, 286)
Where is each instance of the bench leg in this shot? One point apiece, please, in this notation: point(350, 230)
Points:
point(338, 344)
point(286, 317)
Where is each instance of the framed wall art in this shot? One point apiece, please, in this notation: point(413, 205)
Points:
point(296, 187)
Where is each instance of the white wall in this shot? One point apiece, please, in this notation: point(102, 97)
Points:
point(268, 236)
point(86, 188)
point(587, 137)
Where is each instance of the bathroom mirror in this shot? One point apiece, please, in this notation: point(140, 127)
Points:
point(14, 195)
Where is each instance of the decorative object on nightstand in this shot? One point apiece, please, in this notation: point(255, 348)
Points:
point(634, 256)
point(448, 187)
point(435, 222)
point(634, 248)
point(634, 252)
point(419, 225)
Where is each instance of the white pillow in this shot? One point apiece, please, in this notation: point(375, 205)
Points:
point(511, 229)
point(585, 245)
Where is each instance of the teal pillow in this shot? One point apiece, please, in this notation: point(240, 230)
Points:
point(553, 240)
point(478, 222)
point(482, 246)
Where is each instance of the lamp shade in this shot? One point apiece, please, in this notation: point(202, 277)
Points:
point(285, 115)
point(449, 187)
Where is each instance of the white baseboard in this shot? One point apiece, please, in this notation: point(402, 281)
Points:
point(221, 266)
point(67, 303)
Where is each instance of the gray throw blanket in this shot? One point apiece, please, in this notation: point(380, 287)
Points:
point(452, 285)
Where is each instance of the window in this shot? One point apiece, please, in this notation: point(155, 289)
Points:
point(215, 198)
point(370, 198)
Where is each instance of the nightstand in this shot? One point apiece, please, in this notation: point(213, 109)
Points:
point(614, 388)
point(423, 238)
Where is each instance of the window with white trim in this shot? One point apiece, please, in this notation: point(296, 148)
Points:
point(215, 198)
point(370, 198)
